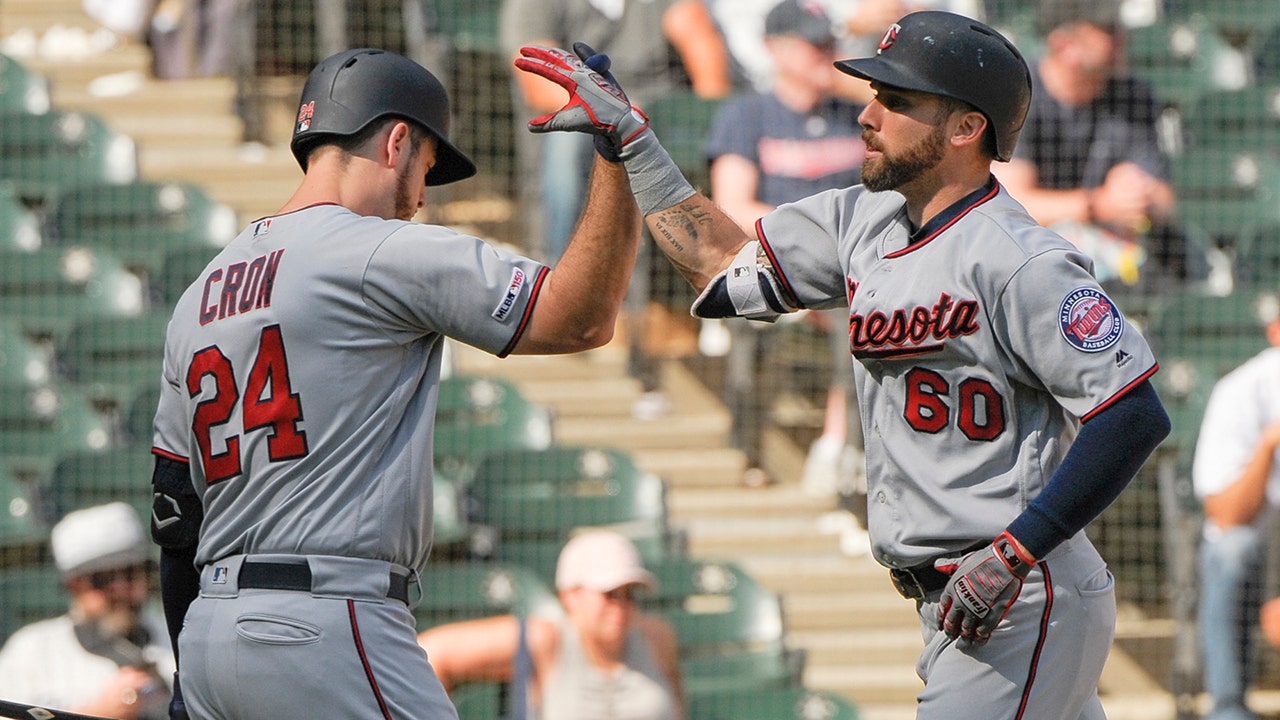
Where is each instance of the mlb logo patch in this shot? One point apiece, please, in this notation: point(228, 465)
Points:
point(262, 227)
point(220, 574)
point(1089, 320)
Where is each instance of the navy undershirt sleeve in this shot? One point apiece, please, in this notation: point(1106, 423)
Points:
point(1106, 455)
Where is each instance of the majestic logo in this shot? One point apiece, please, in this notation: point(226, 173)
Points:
point(509, 298)
point(1089, 320)
point(305, 114)
point(889, 36)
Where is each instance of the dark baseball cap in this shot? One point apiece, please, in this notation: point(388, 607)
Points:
point(804, 19)
point(944, 53)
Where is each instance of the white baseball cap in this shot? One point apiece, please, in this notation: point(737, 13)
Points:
point(105, 537)
point(601, 560)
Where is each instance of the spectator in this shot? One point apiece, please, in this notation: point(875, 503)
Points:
point(641, 37)
point(770, 148)
point(1088, 163)
point(600, 657)
point(188, 38)
point(1238, 480)
point(107, 655)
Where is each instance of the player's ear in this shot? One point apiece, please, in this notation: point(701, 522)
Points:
point(969, 128)
point(398, 143)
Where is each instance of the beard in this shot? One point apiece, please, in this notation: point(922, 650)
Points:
point(406, 205)
point(892, 172)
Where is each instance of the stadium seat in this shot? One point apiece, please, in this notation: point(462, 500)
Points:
point(1257, 261)
point(19, 226)
point(535, 499)
point(479, 415)
point(470, 25)
point(1217, 331)
point(1239, 18)
point(139, 413)
point(39, 425)
point(1184, 58)
point(85, 479)
point(456, 591)
point(178, 269)
point(22, 530)
point(30, 593)
point(1223, 193)
point(41, 155)
point(141, 222)
point(52, 289)
point(110, 358)
point(21, 89)
point(1242, 120)
point(770, 704)
point(682, 121)
point(22, 361)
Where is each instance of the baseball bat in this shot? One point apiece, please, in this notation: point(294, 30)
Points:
point(19, 711)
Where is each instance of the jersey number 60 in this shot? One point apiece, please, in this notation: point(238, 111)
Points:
point(269, 403)
point(981, 412)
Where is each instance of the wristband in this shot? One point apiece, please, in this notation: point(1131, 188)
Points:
point(656, 181)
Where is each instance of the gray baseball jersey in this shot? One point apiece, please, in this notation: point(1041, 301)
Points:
point(300, 380)
point(300, 377)
point(982, 340)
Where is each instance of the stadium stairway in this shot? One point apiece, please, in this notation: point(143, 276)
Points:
point(860, 636)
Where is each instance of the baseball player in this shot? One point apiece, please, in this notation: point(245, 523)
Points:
point(293, 438)
point(1005, 398)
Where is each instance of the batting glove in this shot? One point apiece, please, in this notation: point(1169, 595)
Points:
point(983, 586)
point(597, 105)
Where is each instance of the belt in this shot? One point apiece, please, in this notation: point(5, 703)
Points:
point(918, 581)
point(256, 574)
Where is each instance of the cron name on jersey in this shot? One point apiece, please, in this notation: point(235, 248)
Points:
point(239, 287)
point(911, 331)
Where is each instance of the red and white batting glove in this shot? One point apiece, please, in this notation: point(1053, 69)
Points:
point(984, 584)
point(597, 105)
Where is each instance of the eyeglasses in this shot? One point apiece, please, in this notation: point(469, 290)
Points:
point(133, 573)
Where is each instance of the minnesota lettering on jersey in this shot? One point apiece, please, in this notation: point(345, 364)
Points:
point(911, 331)
point(239, 287)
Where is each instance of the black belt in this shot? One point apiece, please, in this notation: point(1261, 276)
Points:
point(256, 574)
point(920, 580)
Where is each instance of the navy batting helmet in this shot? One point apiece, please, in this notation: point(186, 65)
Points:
point(947, 54)
point(348, 91)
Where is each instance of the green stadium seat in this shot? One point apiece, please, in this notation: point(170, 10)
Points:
point(111, 358)
point(479, 415)
point(1257, 261)
point(19, 226)
point(138, 415)
point(457, 591)
point(1239, 18)
point(41, 155)
point(21, 89)
point(1184, 384)
point(535, 499)
point(179, 268)
point(1184, 58)
point(1241, 120)
point(771, 704)
point(52, 289)
point(22, 361)
point(141, 222)
point(1219, 332)
point(85, 479)
point(479, 700)
point(39, 425)
point(1223, 193)
point(22, 530)
point(682, 121)
point(470, 25)
point(30, 593)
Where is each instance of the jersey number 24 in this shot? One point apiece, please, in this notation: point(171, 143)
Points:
point(269, 402)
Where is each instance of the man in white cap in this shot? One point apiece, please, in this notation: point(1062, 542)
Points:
point(600, 658)
point(107, 655)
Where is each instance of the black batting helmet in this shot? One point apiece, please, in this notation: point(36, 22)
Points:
point(351, 89)
point(947, 54)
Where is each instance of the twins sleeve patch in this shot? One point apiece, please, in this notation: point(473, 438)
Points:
point(509, 298)
point(1089, 320)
